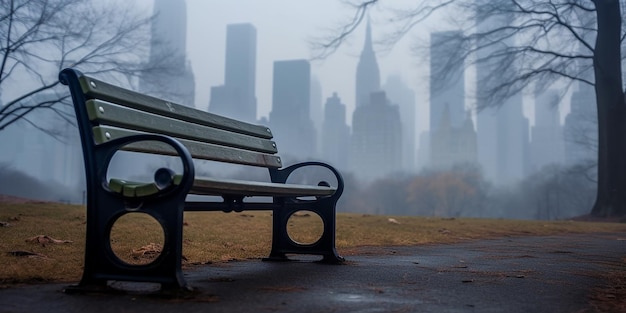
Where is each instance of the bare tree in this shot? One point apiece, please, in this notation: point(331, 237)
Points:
point(534, 43)
point(38, 38)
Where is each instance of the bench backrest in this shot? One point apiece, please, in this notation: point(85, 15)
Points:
point(114, 112)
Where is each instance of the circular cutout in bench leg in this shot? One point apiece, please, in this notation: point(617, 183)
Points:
point(305, 227)
point(125, 243)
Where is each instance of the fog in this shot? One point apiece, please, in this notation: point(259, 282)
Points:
point(427, 179)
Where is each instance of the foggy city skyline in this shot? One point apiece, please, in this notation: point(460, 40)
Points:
point(308, 21)
point(282, 36)
point(206, 39)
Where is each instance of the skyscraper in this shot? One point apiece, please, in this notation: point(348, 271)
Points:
point(290, 116)
point(581, 123)
point(399, 93)
point(367, 72)
point(335, 133)
point(237, 97)
point(546, 146)
point(512, 141)
point(452, 146)
point(447, 104)
point(168, 55)
point(317, 110)
point(447, 79)
point(502, 128)
point(376, 141)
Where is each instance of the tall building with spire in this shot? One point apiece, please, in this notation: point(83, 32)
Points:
point(237, 97)
point(376, 141)
point(169, 74)
point(367, 72)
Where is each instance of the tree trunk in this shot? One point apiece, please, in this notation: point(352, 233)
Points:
point(611, 197)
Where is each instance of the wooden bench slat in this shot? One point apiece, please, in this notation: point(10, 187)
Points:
point(221, 187)
point(198, 150)
point(217, 186)
point(96, 89)
point(107, 113)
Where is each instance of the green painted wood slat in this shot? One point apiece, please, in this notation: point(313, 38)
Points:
point(96, 89)
point(224, 187)
point(114, 115)
point(198, 150)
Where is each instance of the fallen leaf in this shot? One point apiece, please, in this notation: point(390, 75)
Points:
point(29, 254)
point(148, 251)
point(44, 239)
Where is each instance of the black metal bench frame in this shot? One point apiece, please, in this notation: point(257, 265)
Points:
point(105, 206)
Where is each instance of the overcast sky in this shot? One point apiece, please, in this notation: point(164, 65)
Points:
point(284, 29)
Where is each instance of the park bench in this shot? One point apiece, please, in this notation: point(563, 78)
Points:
point(111, 118)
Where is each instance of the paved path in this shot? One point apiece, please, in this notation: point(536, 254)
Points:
point(518, 274)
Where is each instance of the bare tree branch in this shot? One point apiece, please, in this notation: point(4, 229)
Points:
point(39, 38)
point(330, 44)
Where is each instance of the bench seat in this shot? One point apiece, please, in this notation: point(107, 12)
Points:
point(221, 186)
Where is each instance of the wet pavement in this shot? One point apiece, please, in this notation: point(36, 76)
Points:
point(515, 274)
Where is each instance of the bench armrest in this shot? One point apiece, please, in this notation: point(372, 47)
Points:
point(186, 182)
point(281, 175)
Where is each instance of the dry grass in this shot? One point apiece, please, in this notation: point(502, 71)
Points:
point(216, 237)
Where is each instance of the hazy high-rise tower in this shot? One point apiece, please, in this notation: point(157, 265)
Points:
point(290, 117)
point(376, 141)
point(335, 133)
point(168, 56)
point(502, 128)
point(447, 101)
point(513, 144)
point(237, 97)
point(452, 146)
point(581, 124)
point(447, 80)
point(367, 72)
point(317, 111)
point(546, 146)
point(399, 93)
